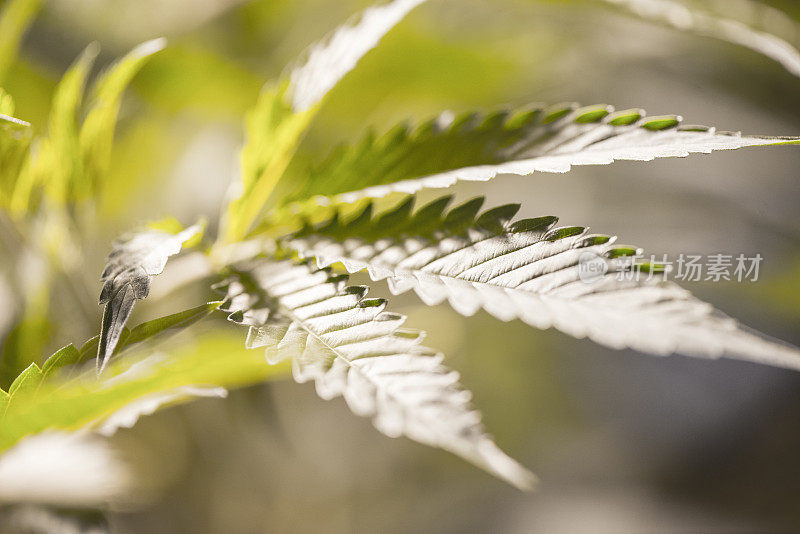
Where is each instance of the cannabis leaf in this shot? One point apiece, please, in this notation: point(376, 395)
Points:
point(73, 158)
point(473, 146)
point(129, 415)
point(133, 261)
point(700, 19)
point(327, 61)
point(285, 108)
point(82, 399)
point(59, 162)
point(350, 346)
point(537, 272)
point(97, 131)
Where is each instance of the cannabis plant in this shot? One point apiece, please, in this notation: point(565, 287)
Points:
point(291, 232)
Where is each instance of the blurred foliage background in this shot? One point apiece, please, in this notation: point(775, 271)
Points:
point(622, 442)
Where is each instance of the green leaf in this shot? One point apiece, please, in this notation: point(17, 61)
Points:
point(275, 126)
point(59, 162)
point(134, 260)
point(28, 380)
point(15, 19)
point(87, 400)
point(175, 321)
point(68, 355)
point(472, 146)
point(97, 132)
point(350, 346)
point(583, 284)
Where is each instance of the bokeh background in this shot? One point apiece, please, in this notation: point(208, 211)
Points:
point(622, 442)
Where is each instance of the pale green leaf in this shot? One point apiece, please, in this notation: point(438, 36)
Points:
point(275, 126)
point(68, 355)
point(97, 132)
point(58, 164)
point(350, 346)
point(583, 284)
point(86, 400)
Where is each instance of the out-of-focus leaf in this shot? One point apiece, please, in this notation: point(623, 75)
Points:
point(33, 85)
point(351, 347)
point(97, 132)
point(58, 163)
point(583, 284)
point(696, 17)
point(6, 104)
point(133, 261)
point(88, 399)
point(62, 469)
point(15, 17)
point(129, 415)
point(326, 62)
point(15, 137)
point(276, 124)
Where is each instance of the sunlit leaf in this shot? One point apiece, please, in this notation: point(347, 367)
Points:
point(86, 400)
point(583, 284)
point(478, 147)
point(276, 124)
point(350, 346)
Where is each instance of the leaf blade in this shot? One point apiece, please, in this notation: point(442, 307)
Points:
point(351, 347)
point(474, 147)
point(276, 124)
point(532, 271)
point(132, 263)
point(97, 131)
